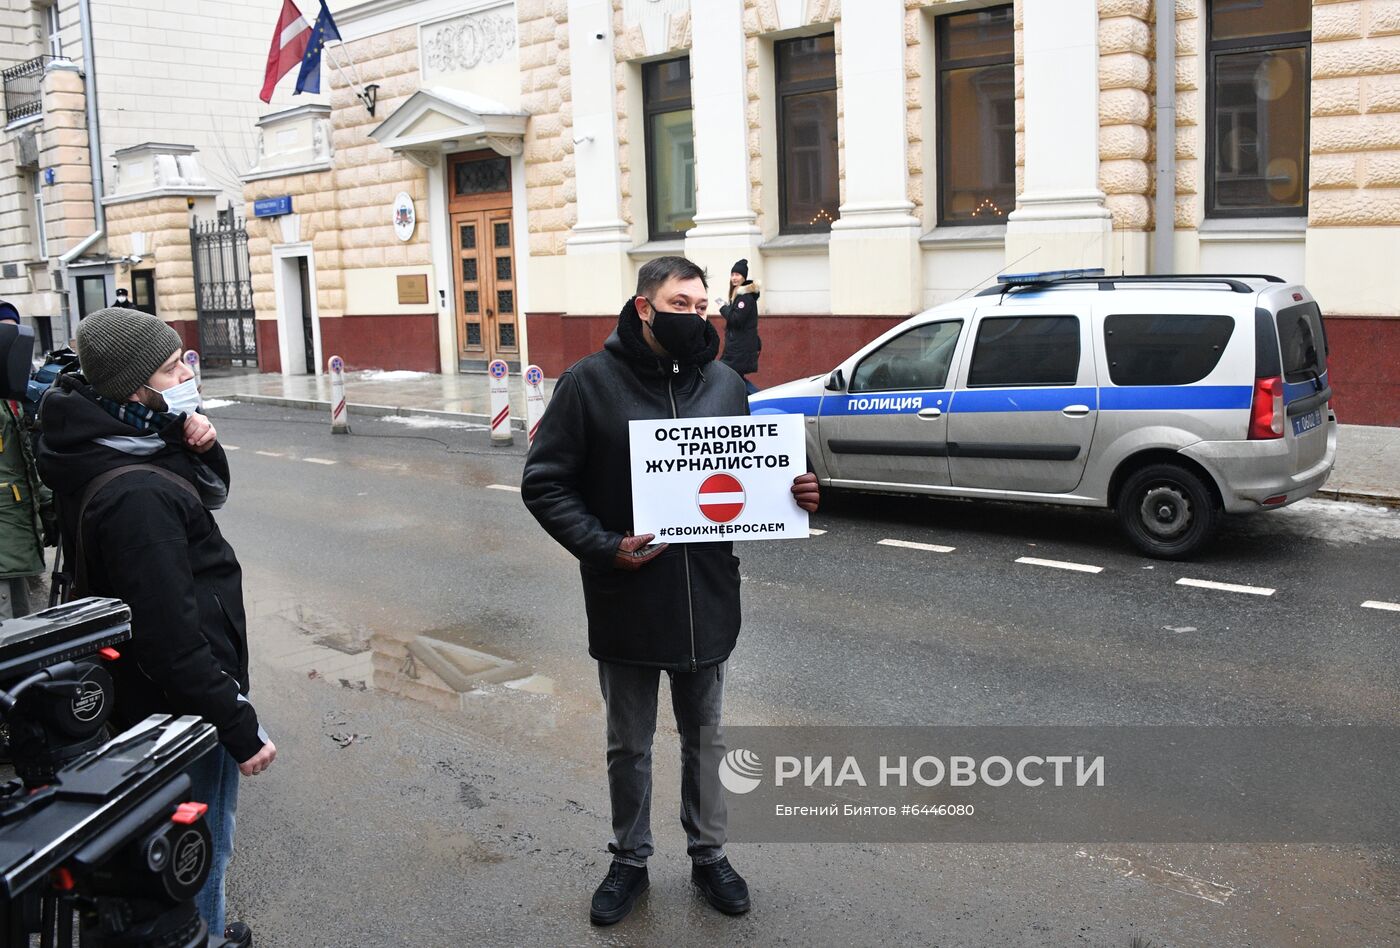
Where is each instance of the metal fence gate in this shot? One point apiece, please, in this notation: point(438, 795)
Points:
point(223, 288)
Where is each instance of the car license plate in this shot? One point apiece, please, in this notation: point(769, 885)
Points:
point(1307, 422)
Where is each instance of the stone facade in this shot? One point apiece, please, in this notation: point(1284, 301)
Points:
point(1355, 161)
point(164, 224)
point(1190, 115)
point(549, 148)
point(1125, 111)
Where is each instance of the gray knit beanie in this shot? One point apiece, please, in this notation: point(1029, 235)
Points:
point(120, 349)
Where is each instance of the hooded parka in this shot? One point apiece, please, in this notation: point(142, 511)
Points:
point(741, 341)
point(151, 544)
point(681, 610)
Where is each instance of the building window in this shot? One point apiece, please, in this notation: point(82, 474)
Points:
point(976, 116)
point(51, 34)
point(1257, 80)
point(670, 143)
point(41, 234)
point(808, 170)
point(143, 290)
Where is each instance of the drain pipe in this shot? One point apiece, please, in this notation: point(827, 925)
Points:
point(94, 150)
point(1164, 233)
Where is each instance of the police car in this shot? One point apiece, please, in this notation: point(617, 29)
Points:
point(1169, 398)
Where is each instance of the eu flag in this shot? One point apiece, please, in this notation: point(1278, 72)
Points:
point(309, 79)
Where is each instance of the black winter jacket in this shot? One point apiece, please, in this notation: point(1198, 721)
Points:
point(681, 610)
point(154, 546)
point(741, 341)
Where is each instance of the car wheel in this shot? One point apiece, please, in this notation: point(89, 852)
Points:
point(1167, 511)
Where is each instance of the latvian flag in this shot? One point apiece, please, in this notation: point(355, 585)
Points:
point(288, 47)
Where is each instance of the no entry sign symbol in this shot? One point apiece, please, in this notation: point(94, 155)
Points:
point(720, 498)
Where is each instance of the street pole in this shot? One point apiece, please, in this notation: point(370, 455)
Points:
point(340, 415)
point(501, 435)
point(534, 400)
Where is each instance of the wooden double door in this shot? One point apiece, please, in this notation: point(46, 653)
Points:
point(484, 245)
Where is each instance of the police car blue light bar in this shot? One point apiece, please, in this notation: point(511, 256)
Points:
point(1048, 276)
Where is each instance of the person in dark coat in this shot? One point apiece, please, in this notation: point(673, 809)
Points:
point(155, 545)
point(741, 341)
point(651, 608)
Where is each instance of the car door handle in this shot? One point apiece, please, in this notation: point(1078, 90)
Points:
point(1075, 411)
point(930, 412)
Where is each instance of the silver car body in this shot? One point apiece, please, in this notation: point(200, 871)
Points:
point(1070, 442)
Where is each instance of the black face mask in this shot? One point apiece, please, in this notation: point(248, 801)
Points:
point(680, 334)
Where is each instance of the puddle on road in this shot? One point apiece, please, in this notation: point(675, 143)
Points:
point(448, 668)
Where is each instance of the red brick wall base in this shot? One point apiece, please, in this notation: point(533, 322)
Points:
point(383, 342)
point(1364, 362)
point(189, 333)
point(1364, 369)
point(269, 355)
point(793, 346)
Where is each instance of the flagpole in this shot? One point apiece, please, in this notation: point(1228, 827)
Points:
point(351, 60)
point(341, 70)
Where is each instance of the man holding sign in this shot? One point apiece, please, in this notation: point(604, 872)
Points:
point(653, 401)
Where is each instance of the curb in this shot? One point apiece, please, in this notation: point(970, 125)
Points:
point(372, 411)
point(1359, 497)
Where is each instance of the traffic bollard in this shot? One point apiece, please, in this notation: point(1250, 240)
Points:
point(534, 400)
point(500, 403)
point(192, 360)
point(340, 415)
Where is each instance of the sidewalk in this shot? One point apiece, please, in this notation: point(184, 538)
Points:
point(1367, 471)
point(457, 397)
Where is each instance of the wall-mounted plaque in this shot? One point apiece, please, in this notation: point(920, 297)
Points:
point(413, 288)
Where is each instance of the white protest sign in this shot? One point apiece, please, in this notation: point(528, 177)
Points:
point(697, 480)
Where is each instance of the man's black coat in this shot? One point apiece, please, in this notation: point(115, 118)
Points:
point(681, 610)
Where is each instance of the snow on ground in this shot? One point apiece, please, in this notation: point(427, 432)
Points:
point(425, 421)
point(217, 403)
point(1333, 521)
point(398, 375)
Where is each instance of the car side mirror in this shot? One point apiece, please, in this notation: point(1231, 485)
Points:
point(836, 382)
point(16, 358)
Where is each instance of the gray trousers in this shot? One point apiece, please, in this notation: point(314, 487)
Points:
point(23, 595)
point(629, 695)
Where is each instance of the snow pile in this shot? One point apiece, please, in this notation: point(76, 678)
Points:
point(425, 421)
point(399, 375)
point(217, 403)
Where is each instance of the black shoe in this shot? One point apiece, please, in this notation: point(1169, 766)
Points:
point(724, 888)
point(238, 935)
point(615, 897)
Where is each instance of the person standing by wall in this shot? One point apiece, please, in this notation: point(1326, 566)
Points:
point(741, 341)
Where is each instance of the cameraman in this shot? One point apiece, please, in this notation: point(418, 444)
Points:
point(148, 537)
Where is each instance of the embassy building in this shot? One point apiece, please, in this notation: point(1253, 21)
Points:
point(521, 160)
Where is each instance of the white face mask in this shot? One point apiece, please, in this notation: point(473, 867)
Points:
point(181, 398)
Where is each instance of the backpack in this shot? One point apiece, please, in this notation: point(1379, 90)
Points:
point(55, 364)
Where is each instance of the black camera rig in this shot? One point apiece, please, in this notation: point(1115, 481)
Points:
point(106, 830)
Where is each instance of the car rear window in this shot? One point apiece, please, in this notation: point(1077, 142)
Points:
point(1302, 341)
point(1164, 348)
point(1025, 350)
